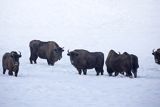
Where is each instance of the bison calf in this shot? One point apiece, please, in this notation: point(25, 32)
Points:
point(10, 61)
point(83, 60)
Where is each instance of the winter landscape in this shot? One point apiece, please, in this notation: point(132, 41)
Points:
point(95, 25)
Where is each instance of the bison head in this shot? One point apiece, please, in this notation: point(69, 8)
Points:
point(58, 52)
point(72, 53)
point(73, 56)
point(16, 56)
point(156, 56)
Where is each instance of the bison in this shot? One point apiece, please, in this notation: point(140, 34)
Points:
point(46, 50)
point(134, 63)
point(156, 56)
point(10, 61)
point(118, 63)
point(83, 60)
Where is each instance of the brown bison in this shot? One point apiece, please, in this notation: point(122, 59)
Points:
point(118, 63)
point(83, 60)
point(46, 50)
point(156, 56)
point(10, 61)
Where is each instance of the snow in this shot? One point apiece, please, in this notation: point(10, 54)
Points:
point(96, 25)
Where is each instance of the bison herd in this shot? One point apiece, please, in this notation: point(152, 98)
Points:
point(125, 63)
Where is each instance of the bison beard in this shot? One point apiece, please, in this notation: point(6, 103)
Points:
point(83, 60)
point(45, 50)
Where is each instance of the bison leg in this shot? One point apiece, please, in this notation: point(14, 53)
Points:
point(116, 73)
point(16, 73)
point(97, 71)
point(85, 71)
point(79, 71)
point(4, 71)
point(102, 71)
point(135, 73)
point(122, 73)
point(109, 71)
point(129, 74)
point(10, 73)
point(30, 60)
point(50, 62)
point(33, 58)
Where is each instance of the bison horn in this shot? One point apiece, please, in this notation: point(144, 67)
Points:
point(62, 48)
point(119, 53)
point(68, 53)
point(19, 53)
point(68, 50)
point(153, 50)
point(12, 53)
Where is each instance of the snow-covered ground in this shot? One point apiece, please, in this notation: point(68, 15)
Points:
point(95, 25)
